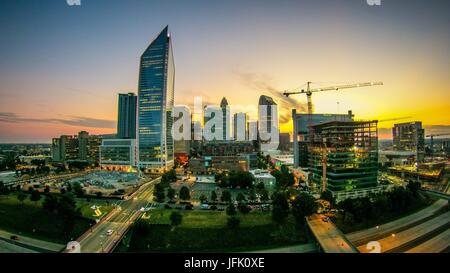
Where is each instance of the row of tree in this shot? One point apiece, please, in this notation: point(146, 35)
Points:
point(398, 200)
point(300, 206)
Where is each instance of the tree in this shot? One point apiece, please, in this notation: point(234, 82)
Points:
point(67, 211)
point(78, 190)
point(171, 193)
point(35, 196)
point(304, 205)
point(226, 196)
point(185, 194)
point(252, 195)
point(176, 218)
point(264, 195)
point(63, 190)
point(280, 208)
point(158, 193)
point(21, 196)
point(279, 215)
point(50, 202)
point(3, 189)
point(233, 222)
point(203, 198)
point(414, 187)
point(327, 196)
point(231, 210)
point(46, 189)
point(240, 197)
point(99, 194)
point(213, 196)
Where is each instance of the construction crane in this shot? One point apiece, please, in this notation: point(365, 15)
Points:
point(309, 91)
point(432, 141)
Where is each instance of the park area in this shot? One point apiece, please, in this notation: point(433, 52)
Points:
point(207, 231)
point(29, 218)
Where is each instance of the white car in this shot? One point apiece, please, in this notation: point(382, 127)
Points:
point(109, 232)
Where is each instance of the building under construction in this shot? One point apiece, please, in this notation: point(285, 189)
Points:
point(346, 154)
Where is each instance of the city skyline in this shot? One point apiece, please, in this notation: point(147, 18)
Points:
point(221, 58)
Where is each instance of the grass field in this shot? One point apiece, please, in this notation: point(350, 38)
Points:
point(88, 212)
point(30, 219)
point(206, 231)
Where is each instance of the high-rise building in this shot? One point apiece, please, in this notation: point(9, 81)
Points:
point(225, 119)
point(344, 158)
point(240, 131)
point(410, 136)
point(126, 120)
point(301, 132)
point(267, 123)
point(81, 147)
point(155, 104)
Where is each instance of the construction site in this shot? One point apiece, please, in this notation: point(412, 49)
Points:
point(344, 158)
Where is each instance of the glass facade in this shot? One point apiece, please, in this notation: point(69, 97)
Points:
point(155, 104)
point(126, 121)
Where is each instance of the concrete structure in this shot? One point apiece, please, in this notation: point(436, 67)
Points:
point(88, 147)
point(410, 137)
point(285, 142)
point(126, 118)
point(263, 176)
point(118, 154)
point(155, 104)
point(348, 152)
point(301, 132)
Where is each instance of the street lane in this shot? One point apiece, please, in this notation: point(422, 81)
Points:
point(96, 241)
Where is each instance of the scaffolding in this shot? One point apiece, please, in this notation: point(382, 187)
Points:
point(344, 155)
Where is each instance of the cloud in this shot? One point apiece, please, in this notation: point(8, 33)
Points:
point(263, 84)
point(72, 121)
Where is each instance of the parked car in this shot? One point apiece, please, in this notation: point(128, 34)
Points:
point(14, 237)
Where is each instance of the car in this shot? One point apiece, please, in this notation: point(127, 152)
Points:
point(14, 237)
point(325, 219)
point(109, 232)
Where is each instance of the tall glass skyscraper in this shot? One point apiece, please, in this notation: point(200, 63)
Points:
point(126, 121)
point(155, 104)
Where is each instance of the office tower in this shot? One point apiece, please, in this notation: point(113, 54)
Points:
point(268, 133)
point(301, 132)
point(225, 119)
point(126, 120)
point(410, 136)
point(240, 127)
point(155, 104)
point(344, 158)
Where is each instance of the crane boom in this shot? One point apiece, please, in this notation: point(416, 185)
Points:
point(332, 88)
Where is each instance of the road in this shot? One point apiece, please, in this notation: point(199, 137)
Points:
point(96, 240)
point(436, 245)
point(330, 238)
point(31, 243)
point(304, 248)
point(359, 238)
point(6, 247)
point(411, 237)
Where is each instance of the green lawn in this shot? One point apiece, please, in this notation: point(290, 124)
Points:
point(206, 231)
point(88, 212)
point(30, 219)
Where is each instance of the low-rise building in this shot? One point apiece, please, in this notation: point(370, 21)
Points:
point(118, 154)
point(212, 164)
point(263, 176)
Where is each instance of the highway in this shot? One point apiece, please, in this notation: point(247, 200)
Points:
point(359, 238)
point(330, 238)
point(402, 241)
point(97, 241)
point(436, 245)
